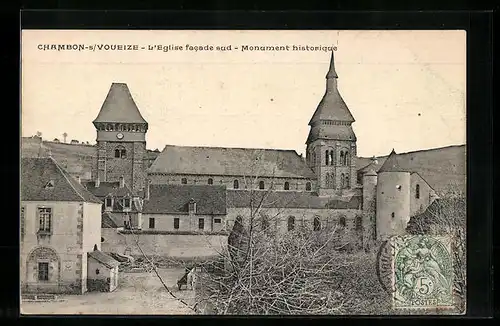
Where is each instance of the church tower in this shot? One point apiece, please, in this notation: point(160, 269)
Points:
point(121, 139)
point(331, 144)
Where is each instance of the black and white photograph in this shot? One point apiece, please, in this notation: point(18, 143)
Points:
point(197, 172)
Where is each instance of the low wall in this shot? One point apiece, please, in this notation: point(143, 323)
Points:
point(167, 245)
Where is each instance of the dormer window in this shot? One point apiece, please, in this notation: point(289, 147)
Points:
point(126, 203)
point(261, 185)
point(192, 206)
point(109, 202)
point(210, 181)
point(49, 184)
point(287, 186)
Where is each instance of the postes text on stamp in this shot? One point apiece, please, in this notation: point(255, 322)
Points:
point(422, 272)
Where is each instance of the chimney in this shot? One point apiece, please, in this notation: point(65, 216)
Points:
point(97, 182)
point(79, 179)
point(146, 190)
point(122, 182)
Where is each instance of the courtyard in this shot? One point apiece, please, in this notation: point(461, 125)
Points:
point(138, 293)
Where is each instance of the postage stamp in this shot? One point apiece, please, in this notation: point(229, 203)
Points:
point(422, 272)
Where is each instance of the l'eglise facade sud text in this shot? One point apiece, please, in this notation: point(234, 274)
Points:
point(187, 190)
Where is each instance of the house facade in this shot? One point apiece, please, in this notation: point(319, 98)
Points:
point(60, 223)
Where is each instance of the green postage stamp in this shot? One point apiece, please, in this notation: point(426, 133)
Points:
point(422, 272)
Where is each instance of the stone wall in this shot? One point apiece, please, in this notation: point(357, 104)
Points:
point(168, 245)
point(228, 181)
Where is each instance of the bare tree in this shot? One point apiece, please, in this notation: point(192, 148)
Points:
point(303, 270)
point(65, 136)
point(447, 216)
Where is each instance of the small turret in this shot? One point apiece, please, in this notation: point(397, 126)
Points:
point(393, 197)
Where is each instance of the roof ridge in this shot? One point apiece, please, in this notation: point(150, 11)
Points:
point(67, 179)
point(228, 147)
point(415, 151)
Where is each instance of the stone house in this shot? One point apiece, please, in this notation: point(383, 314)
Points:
point(184, 208)
point(60, 222)
point(102, 272)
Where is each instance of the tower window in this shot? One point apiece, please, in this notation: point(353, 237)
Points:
point(331, 157)
point(341, 158)
point(342, 181)
point(210, 181)
point(417, 191)
point(346, 156)
point(120, 152)
point(327, 158)
point(184, 181)
point(236, 184)
point(316, 224)
point(308, 186)
point(291, 223)
point(261, 185)
point(287, 186)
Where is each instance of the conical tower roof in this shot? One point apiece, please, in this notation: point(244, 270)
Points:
point(392, 164)
point(119, 106)
point(332, 106)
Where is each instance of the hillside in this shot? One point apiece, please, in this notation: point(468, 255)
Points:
point(76, 158)
point(440, 167)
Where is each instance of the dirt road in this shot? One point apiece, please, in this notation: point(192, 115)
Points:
point(137, 294)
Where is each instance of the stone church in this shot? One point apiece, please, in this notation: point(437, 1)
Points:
point(191, 189)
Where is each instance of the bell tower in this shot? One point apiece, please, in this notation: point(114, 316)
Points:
point(121, 139)
point(331, 144)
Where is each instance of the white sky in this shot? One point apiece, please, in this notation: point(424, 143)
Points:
point(406, 89)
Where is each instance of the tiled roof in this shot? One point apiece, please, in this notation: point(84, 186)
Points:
point(119, 106)
point(288, 199)
point(440, 167)
point(231, 162)
point(37, 173)
point(108, 188)
point(393, 164)
point(331, 132)
point(103, 258)
point(111, 220)
point(332, 106)
point(174, 199)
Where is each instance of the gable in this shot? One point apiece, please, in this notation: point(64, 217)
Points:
point(43, 180)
